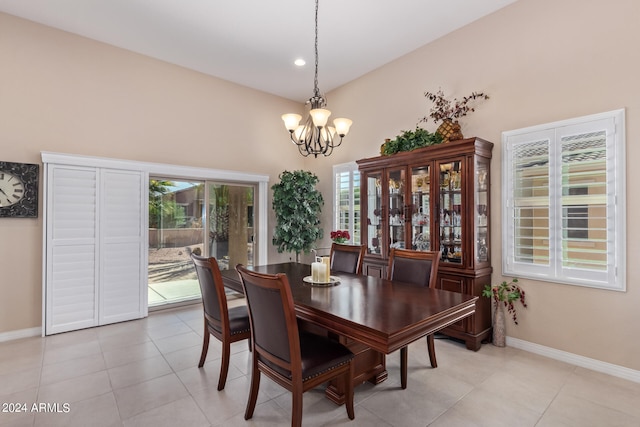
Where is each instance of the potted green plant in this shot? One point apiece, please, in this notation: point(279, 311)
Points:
point(298, 205)
point(219, 222)
point(504, 295)
point(410, 140)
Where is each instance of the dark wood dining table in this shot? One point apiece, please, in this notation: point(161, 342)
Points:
point(373, 316)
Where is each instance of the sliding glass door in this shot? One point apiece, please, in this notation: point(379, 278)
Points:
point(175, 232)
point(231, 238)
point(202, 217)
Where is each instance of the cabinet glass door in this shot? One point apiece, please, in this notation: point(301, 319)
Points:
point(451, 212)
point(420, 209)
point(482, 223)
point(374, 213)
point(397, 209)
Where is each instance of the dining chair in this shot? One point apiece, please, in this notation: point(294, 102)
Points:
point(296, 360)
point(418, 268)
point(347, 258)
point(228, 325)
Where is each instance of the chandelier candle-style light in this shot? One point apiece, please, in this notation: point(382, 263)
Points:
point(314, 136)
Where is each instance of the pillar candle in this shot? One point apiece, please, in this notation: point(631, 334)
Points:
point(316, 268)
point(327, 265)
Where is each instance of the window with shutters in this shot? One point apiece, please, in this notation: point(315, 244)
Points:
point(564, 207)
point(346, 197)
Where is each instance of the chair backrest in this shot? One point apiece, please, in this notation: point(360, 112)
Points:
point(214, 298)
point(347, 258)
point(415, 267)
point(274, 328)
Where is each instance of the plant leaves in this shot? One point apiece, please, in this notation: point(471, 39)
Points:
point(410, 140)
point(298, 206)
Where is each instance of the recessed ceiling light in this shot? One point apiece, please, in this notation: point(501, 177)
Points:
point(299, 62)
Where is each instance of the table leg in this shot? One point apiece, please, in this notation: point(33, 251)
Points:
point(370, 365)
point(404, 359)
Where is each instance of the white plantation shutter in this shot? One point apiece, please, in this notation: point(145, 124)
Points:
point(94, 247)
point(587, 249)
point(529, 202)
point(122, 246)
point(564, 210)
point(71, 244)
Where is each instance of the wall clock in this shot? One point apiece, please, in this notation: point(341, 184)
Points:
point(18, 190)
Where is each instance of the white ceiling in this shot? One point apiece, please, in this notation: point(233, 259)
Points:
point(254, 42)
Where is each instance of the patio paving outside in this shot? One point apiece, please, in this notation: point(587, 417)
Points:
point(174, 291)
point(172, 277)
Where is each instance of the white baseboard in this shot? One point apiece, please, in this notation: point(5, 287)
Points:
point(574, 359)
point(21, 333)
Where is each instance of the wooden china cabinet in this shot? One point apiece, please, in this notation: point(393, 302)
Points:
point(434, 198)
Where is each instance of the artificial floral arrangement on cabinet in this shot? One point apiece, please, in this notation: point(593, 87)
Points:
point(443, 110)
point(410, 140)
point(448, 111)
point(504, 295)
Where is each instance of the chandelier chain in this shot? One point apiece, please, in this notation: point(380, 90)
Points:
point(315, 80)
point(315, 136)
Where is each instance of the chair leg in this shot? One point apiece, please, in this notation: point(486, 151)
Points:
point(432, 350)
point(224, 367)
point(404, 353)
point(253, 392)
point(205, 345)
point(349, 392)
point(296, 409)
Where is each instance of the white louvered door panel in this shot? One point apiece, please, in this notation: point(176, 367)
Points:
point(122, 296)
point(71, 248)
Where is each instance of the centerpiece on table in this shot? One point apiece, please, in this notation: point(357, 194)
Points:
point(503, 296)
point(340, 236)
point(448, 111)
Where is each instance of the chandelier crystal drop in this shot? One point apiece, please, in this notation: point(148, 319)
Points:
point(315, 136)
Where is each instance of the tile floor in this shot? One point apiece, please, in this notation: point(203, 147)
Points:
point(144, 373)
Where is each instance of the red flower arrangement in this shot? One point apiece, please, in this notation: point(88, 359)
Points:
point(340, 236)
point(506, 293)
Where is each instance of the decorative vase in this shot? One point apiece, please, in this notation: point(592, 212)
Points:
point(450, 130)
point(499, 328)
point(382, 147)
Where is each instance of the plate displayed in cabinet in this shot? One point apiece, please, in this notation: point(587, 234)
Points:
point(422, 242)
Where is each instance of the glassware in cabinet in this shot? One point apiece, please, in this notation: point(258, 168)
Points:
point(481, 188)
point(451, 211)
point(420, 208)
point(397, 208)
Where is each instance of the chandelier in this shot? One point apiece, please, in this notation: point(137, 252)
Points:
point(314, 136)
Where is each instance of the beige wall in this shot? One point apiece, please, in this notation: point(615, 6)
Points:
point(539, 60)
point(64, 93)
